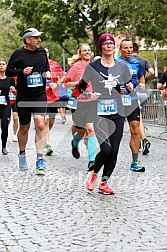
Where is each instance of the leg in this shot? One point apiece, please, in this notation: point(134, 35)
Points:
point(91, 144)
point(135, 137)
point(5, 119)
point(134, 145)
point(40, 133)
point(23, 136)
point(145, 143)
point(62, 112)
point(109, 134)
point(15, 123)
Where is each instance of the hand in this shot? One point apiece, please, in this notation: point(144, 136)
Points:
point(53, 85)
point(94, 96)
point(122, 90)
point(142, 87)
point(61, 79)
point(130, 86)
point(27, 70)
point(13, 90)
point(48, 75)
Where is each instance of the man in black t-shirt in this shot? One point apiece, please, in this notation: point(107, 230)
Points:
point(30, 65)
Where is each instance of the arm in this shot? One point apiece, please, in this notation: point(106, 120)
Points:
point(12, 65)
point(162, 81)
point(150, 74)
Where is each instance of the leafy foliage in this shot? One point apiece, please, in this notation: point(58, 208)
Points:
point(66, 23)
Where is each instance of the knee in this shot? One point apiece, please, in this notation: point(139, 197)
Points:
point(134, 128)
point(24, 129)
point(107, 151)
point(40, 127)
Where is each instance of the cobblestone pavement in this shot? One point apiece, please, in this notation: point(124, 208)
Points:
point(56, 213)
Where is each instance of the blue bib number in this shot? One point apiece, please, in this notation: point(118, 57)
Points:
point(107, 107)
point(126, 100)
point(3, 100)
point(34, 80)
point(72, 102)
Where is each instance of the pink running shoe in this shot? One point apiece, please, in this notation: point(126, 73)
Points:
point(105, 189)
point(91, 180)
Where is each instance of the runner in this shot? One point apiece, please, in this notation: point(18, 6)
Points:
point(107, 77)
point(132, 109)
point(81, 112)
point(6, 84)
point(53, 95)
point(30, 65)
point(12, 99)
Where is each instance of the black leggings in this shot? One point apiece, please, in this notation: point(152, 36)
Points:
point(5, 113)
point(109, 133)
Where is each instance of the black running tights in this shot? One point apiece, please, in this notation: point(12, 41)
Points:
point(109, 133)
point(5, 113)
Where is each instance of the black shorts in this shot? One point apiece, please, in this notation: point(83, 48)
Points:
point(83, 114)
point(51, 110)
point(132, 112)
point(28, 105)
point(134, 116)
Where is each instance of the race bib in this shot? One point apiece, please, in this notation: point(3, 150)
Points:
point(126, 100)
point(107, 107)
point(34, 80)
point(3, 100)
point(72, 103)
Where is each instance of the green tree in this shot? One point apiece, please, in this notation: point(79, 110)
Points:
point(9, 35)
point(69, 22)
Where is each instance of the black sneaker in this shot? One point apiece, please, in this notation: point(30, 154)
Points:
point(146, 145)
point(4, 151)
point(48, 150)
point(91, 165)
point(75, 151)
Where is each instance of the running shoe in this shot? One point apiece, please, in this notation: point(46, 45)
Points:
point(48, 150)
point(137, 167)
point(40, 166)
point(105, 189)
point(145, 145)
point(4, 151)
point(23, 162)
point(91, 180)
point(75, 151)
point(91, 165)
